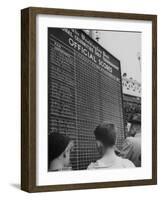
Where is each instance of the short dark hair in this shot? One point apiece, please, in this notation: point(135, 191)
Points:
point(106, 133)
point(57, 144)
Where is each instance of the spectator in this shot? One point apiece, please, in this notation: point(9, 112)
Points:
point(59, 148)
point(105, 135)
point(132, 144)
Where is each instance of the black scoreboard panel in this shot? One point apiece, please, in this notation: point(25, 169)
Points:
point(84, 89)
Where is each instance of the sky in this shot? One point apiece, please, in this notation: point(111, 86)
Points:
point(125, 46)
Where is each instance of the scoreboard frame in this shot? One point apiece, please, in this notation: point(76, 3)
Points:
point(28, 98)
point(58, 41)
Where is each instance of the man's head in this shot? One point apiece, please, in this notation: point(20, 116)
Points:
point(59, 147)
point(135, 124)
point(134, 129)
point(105, 135)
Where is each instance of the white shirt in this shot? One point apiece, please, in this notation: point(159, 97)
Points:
point(132, 149)
point(111, 161)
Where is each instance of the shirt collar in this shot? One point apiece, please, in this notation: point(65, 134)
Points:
point(108, 159)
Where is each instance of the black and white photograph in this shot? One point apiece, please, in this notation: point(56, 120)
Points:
point(88, 99)
point(94, 99)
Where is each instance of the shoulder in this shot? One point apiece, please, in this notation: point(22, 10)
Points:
point(129, 140)
point(128, 143)
point(134, 141)
point(93, 165)
point(127, 163)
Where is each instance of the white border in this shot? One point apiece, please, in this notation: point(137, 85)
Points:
point(43, 177)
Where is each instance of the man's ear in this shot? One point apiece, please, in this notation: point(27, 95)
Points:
point(99, 143)
point(100, 148)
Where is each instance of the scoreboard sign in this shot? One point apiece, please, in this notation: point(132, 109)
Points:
point(84, 89)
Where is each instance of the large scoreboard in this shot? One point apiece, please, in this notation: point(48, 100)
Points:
point(84, 89)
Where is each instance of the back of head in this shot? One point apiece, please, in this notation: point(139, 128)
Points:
point(106, 134)
point(57, 143)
